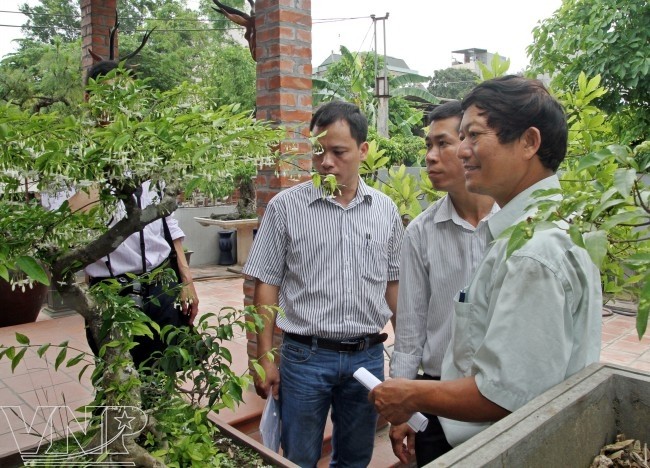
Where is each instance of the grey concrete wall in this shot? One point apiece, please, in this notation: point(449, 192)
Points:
point(565, 426)
point(203, 240)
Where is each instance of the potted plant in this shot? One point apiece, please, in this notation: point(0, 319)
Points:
point(149, 135)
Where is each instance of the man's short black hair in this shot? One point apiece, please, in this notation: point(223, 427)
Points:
point(445, 111)
point(513, 104)
point(334, 111)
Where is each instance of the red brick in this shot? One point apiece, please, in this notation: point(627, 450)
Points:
point(305, 100)
point(295, 17)
point(287, 32)
point(290, 82)
point(289, 115)
point(303, 36)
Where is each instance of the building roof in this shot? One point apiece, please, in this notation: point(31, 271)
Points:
point(392, 63)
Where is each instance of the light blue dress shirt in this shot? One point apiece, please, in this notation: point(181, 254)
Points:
point(529, 321)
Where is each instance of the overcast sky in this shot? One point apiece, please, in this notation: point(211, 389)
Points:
point(421, 32)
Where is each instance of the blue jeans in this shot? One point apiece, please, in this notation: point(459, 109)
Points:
point(311, 380)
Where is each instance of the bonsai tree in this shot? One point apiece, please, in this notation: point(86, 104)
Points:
point(176, 140)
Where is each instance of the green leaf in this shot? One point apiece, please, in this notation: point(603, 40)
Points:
point(596, 244)
point(41, 350)
point(576, 236)
point(518, 239)
point(75, 360)
point(593, 159)
point(17, 358)
point(60, 358)
point(627, 217)
point(22, 339)
point(33, 269)
point(624, 180)
point(82, 371)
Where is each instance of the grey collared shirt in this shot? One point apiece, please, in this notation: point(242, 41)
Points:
point(440, 253)
point(331, 262)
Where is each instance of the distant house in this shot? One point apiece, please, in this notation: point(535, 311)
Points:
point(469, 58)
point(394, 65)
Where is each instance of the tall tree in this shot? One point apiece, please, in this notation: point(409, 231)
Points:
point(452, 83)
point(601, 37)
point(51, 19)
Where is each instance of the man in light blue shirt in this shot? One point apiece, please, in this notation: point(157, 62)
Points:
point(525, 322)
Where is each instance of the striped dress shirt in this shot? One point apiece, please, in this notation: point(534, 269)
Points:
point(331, 262)
point(440, 253)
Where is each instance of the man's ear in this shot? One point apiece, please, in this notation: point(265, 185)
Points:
point(531, 141)
point(364, 150)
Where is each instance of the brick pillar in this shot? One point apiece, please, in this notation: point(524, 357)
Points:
point(97, 18)
point(283, 30)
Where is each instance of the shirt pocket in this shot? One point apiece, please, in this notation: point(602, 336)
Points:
point(374, 261)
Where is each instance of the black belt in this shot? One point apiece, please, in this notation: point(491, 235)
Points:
point(342, 346)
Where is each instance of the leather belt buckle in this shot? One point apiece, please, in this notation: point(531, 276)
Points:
point(355, 345)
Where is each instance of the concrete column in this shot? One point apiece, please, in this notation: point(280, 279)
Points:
point(283, 29)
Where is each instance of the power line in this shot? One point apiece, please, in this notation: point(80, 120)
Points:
point(135, 30)
point(200, 20)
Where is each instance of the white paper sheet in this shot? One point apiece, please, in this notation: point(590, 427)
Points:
point(417, 421)
point(270, 424)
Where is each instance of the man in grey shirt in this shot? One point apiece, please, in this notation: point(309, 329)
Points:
point(331, 262)
point(441, 250)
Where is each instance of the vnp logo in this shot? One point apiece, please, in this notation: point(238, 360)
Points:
point(60, 422)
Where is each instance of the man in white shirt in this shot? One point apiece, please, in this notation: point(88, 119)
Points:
point(441, 249)
point(141, 253)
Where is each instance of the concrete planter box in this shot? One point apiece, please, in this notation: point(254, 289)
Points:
point(565, 426)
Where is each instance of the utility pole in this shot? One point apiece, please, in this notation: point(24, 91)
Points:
point(381, 83)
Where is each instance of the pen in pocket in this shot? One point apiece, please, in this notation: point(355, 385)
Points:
point(461, 295)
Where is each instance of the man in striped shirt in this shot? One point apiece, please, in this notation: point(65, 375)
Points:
point(441, 250)
point(331, 262)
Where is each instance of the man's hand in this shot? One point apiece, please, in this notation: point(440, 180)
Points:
point(271, 383)
point(189, 302)
point(391, 400)
point(404, 451)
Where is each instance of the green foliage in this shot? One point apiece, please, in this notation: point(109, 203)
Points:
point(352, 79)
point(231, 73)
point(183, 47)
point(400, 149)
point(52, 19)
point(607, 38)
point(183, 437)
point(496, 68)
point(452, 83)
point(605, 206)
point(43, 76)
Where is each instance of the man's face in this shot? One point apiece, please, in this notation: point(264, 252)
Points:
point(445, 170)
point(491, 168)
point(339, 155)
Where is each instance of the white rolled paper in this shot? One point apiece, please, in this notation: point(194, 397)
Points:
point(418, 422)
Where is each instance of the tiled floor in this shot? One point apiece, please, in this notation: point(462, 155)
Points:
point(34, 382)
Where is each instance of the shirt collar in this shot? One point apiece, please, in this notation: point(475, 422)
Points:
point(447, 212)
point(363, 194)
point(516, 209)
